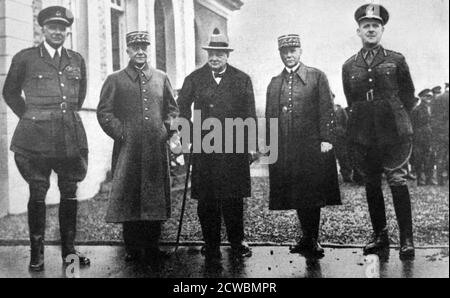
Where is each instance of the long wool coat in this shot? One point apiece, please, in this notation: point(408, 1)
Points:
point(219, 175)
point(303, 177)
point(136, 111)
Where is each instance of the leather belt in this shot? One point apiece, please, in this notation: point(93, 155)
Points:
point(64, 106)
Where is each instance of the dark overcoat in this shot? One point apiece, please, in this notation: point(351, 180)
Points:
point(219, 175)
point(136, 110)
point(49, 123)
point(380, 97)
point(303, 177)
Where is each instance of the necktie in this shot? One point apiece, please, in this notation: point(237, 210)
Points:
point(56, 58)
point(218, 75)
point(370, 56)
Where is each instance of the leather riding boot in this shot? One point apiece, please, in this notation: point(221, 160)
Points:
point(36, 223)
point(380, 239)
point(379, 242)
point(402, 206)
point(68, 230)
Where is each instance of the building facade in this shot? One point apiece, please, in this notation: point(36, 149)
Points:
point(178, 29)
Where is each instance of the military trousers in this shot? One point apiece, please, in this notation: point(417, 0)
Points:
point(373, 161)
point(37, 170)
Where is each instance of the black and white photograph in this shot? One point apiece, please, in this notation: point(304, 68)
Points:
point(199, 141)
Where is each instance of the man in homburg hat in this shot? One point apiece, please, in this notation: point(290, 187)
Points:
point(220, 181)
point(380, 93)
point(440, 125)
point(305, 176)
point(421, 121)
point(136, 108)
point(50, 135)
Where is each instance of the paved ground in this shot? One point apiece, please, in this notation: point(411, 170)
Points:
point(267, 262)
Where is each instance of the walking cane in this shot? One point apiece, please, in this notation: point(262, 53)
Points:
point(183, 206)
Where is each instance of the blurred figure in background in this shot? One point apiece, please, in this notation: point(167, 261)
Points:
point(341, 143)
point(439, 119)
point(421, 120)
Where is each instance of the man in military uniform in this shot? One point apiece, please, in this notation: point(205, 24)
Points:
point(220, 181)
point(437, 91)
point(380, 93)
point(421, 120)
point(439, 119)
point(50, 134)
point(305, 177)
point(341, 143)
point(135, 109)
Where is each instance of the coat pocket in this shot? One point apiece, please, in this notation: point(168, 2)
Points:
point(35, 132)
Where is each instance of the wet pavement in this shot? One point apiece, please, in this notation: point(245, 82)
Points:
point(267, 262)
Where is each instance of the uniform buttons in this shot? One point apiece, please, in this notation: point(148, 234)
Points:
point(353, 77)
point(144, 82)
point(145, 91)
point(145, 99)
point(64, 97)
point(34, 118)
point(40, 76)
point(211, 106)
point(60, 73)
point(370, 70)
point(146, 109)
point(371, 80)
point(62, 85)
point(146, 118)
point(388, 73)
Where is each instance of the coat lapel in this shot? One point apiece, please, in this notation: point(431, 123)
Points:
point(359, 60)
point(46, 57)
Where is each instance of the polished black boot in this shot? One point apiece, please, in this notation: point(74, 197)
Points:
point(379, 242)
point(380, 239)
point(402, 205)
point(68, 228)
point(36, 223)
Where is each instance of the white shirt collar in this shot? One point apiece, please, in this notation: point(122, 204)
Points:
point(295, 68)
point(218, 80)
point(51, 51)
